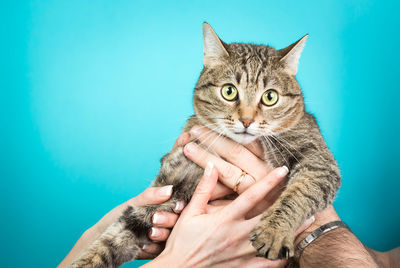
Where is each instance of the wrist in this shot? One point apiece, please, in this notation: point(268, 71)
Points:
point(336, 248)
point(313, 227)
point(321, 218)
point(83, 242)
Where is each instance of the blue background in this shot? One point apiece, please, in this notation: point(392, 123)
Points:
point(93, 93)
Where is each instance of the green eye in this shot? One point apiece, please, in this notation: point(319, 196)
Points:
point(229, 92)
point(270, 97)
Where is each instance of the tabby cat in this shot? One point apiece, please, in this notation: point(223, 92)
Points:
point(246, 92)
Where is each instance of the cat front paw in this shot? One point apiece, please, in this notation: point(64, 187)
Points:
point(272, 243)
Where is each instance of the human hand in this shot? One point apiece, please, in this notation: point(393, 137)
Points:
point(221, 189)
point(232, 159)
point(162, 221)
point(215, 236)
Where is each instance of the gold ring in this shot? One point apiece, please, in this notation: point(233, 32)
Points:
point(235, 188)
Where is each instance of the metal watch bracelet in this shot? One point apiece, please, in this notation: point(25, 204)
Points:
point(317, 233)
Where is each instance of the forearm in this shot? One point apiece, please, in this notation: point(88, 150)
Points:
point(337, 248)
point(84, 241)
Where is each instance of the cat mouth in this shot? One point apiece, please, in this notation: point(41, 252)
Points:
point(242, 137)
point(243, 133)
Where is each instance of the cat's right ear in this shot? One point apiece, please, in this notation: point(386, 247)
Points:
point(214, 49)
point(291, 55)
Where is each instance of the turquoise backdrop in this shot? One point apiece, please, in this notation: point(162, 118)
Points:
point(93, 93)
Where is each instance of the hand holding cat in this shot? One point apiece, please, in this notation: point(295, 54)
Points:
point(163, 221)
point(237, 157)
point(152, 195)
point(221, 233)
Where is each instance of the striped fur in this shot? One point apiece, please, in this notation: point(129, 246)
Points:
point(289, 135)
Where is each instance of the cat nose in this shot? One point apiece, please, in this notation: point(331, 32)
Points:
point(246, 121)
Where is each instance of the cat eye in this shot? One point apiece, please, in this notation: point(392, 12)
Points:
point(270, 97)
point(229, 92)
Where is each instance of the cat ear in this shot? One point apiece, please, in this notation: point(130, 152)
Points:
point(291, 55)
point(214, 48)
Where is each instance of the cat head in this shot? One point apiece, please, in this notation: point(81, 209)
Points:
point(246, 91)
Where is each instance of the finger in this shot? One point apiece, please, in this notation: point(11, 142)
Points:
point(233, 152)
point(220, 191)
point(204, 189)
point(164, 219)
point(253, 221)
point(213, 209)
point(249, 198)
point(271, 197)
point(151, 196)
point(228, 173)
point(181, 140)
point(150, 251)
point(256, 148)
point(305, 225)
point(159, 234)
point(179, 206)
point(218, 203)
point(245, 248)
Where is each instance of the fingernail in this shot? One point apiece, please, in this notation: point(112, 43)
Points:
point(191, 148)
point(179, 206)
point(159, 219)
point(310, 220)
point(146, 247)
point(165, 191)
point(155, 232)
point(283, 171)
point(208, 170)
point(195, 130)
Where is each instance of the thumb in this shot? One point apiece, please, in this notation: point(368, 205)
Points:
point(152, 196)
point(203, 192)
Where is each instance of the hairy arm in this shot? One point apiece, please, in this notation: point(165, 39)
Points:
point(338, 248)
point(341, 248)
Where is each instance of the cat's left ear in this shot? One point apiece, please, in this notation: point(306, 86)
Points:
point(214, 49)
point(291, 55)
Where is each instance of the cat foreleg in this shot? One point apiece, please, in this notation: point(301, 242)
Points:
point(306, 194)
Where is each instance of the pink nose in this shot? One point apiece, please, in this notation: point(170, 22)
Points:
point(247, 121)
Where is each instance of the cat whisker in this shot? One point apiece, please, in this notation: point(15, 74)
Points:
point(272, 136)
point(212, 143)
point(288, 143)
point(211, 126)
point(205, 134)
point(279, 152)
point(273, 150)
